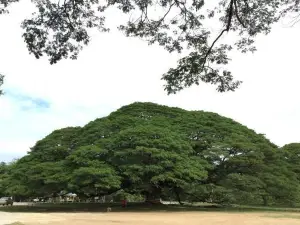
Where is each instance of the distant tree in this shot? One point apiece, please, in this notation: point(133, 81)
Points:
point(60, 29)
point(1, 83)
point(12, 181)
point(3, 176)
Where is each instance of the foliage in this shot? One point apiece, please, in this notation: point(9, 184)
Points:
point(1, 83)
point(151, 158)
point(154, 151)
point(56, 146)
point(291, 152)
point(3, 176)
point(10, 184)
point(60, 29)
point(90, 173)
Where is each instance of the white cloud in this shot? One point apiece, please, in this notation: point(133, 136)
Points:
point(114, 70)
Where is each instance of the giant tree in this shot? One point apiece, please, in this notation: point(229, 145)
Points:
point(158, 151)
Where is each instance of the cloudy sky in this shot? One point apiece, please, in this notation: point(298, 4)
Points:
point(114, 71)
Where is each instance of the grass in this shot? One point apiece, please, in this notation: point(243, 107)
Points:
point(96, 207)
point(283, 216)
point(267, 208)
point(15, 223)
point(139, 207)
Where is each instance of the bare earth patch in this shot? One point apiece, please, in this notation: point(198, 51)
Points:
point(163, 218)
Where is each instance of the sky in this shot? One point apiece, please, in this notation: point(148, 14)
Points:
point(114, 71)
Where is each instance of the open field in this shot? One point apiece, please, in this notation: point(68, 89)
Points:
point(153, 218)
point(143, 214)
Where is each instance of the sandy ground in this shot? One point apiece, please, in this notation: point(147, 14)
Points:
point(188, 218)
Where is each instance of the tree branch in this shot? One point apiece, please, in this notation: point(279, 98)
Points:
point(68, 16)
point(162, 19)
point(237, 14)
point(230, 13)
point(247, 5)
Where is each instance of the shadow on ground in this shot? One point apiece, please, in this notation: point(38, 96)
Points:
point(136, 207)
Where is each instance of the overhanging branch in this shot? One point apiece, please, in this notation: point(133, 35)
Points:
point(237, 14)
point(228, 25)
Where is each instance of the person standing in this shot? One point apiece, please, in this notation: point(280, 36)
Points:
point(124, 203)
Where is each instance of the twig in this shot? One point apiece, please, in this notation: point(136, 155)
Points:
point(167, 12)
point(237, 14)
point(247, 5)
point(222, 32)
point(68, 16)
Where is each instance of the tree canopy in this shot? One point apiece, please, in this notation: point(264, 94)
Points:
point(156, 151)
point(60, 29)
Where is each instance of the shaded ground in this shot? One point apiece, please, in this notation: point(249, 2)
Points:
point(137, 207)
point(156, 218)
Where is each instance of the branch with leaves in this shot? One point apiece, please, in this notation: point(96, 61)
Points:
point(61, 31)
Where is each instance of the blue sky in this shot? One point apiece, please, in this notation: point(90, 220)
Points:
point(114, 71)
point(27, 102)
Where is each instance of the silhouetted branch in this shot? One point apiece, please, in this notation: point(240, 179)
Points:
point(230, 13)
point(237, 14)
point(68, 16)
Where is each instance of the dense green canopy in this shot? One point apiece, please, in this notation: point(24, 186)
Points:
point(157, 151)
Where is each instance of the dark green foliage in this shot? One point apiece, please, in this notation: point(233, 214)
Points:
point(291, 152)
point(3, 176)
point(56, 146)
point(60, 29)
point(89, 173)
point(151, 158)
point(13, 182)
point(154, 151)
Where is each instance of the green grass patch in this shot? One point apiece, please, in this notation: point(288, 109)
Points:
point(284, 216)
point(102, 207)
point(139, 207)
point(15, 223)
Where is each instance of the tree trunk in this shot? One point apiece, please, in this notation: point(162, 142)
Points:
point(177, 196)
point(153, 197)
point(265, 199)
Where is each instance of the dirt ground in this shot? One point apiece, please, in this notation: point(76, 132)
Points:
point(163, 218)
